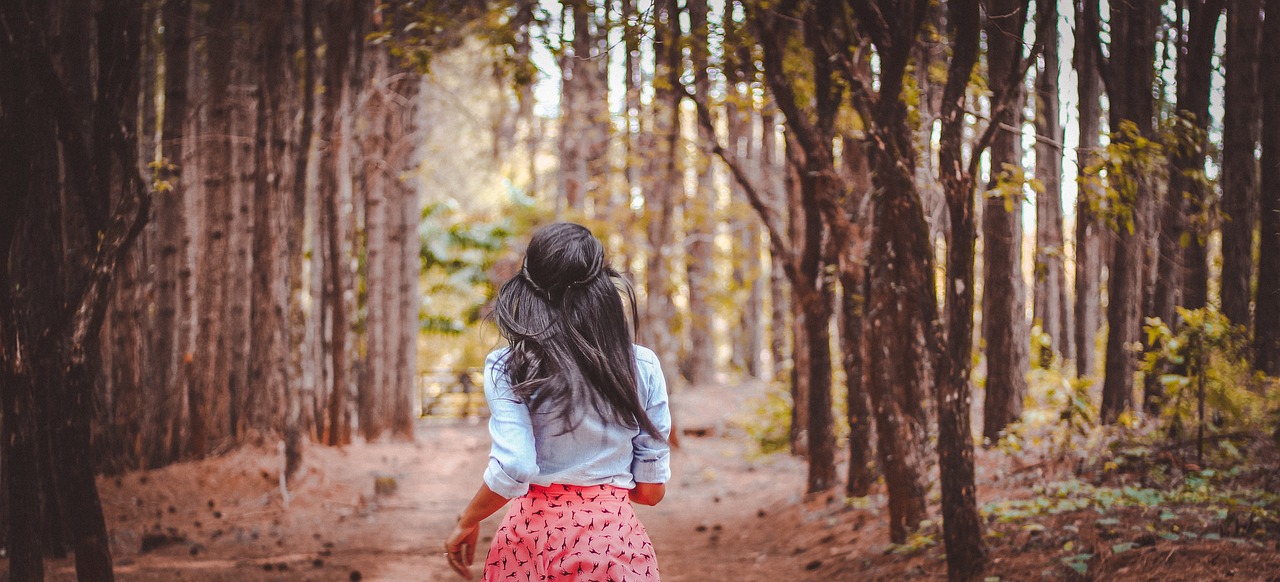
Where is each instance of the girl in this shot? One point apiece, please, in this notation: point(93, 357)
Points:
point(579, 421)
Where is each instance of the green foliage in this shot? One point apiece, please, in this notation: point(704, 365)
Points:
point(1010, 186)
point(414, 31)
point(1206, 349)
point(769, 422)
point(1130, 160)
point(458, 252)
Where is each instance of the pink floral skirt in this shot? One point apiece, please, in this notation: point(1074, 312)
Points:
point(568, 533)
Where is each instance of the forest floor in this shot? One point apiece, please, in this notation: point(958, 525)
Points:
point(731, 514)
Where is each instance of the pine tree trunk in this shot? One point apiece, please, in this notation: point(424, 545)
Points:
point(244, 166)
point(1088, 257)
point(1266, 323)
point(665, 189)
point(1131, 71)
point(409, 214)
point(901, 302)
point(210, 405)
point(1050, 291)
point(700, 208)
point(1004, 326)
point(1179, 281)
point(1188, 166)
point(962, 526)
point(374, 389)
point(748, 338)
point(1241, 112)
point(801, 350)
point(303, 315)
point(268, 362)
point(164, 392)
point(779, 295)
point(339, 16)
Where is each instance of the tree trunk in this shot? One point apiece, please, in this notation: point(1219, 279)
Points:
point(77, 204)
point(209, 402)
point(961, 524)
point(374, 388)
point(1130, 78)
point(409, 215)
point(747, 284)
point(1088, 257)
point(660, 197)
point(1004, 325)
point(1182, 270)
point(164, 391)
point(1241, 112)
point(303, 315)
point(339, 16)
point(800, 349)
point(779, 296)
point(1050, 292)
point(268, 361)
point(244, 166)
point(1188, 164)
point(700, 209)
point(1266, 323)
point(901, 303)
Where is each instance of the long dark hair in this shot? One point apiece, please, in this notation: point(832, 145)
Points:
point(564, 318)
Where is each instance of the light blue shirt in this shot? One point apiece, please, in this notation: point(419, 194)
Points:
point(535, 450)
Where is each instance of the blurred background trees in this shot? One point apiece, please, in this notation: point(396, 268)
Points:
point(231, 222)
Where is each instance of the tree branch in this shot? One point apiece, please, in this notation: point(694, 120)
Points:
point(777, 239)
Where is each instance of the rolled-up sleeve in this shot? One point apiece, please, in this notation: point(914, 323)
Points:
point(651, 460)
point(513, 460)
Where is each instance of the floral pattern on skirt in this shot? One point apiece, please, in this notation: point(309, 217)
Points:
point(568, 533)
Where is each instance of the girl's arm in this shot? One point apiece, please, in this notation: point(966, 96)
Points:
point(460, 548)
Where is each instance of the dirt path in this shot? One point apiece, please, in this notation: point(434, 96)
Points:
point(224, 519)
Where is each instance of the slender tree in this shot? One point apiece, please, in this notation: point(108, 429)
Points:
point(962, 527)
point(1266, 323)
point(1241, 112)
point(1050, 288)
point(700, 208)
point(1128, 74)
point(1088, 235)
point(1004, 325)
point(1182, 264)
point(209, 402)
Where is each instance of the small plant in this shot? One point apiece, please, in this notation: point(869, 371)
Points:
point(769, 423)
point(1203, 368)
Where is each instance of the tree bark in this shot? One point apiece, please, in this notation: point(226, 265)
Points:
point(1088, 256)
point(268, 373)
point(961, 524)
point(165, 393)
point(1182, 268)
point(660, 197)
point(901, 302)
point(1187, 172)
point(700, 208)
point(209, 401)
point(1004, 325)
point(1129, 78)
point(1050, 291)
point(1266, 323)
point(1241, 112)
point(339, 16)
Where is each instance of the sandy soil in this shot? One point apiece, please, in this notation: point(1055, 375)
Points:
point(730, 515)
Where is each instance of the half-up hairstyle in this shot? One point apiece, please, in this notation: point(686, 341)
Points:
point(570, 346)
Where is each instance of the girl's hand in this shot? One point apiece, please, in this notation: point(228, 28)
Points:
point(460, 548)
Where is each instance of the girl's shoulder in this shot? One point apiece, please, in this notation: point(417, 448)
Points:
point(645, 355)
